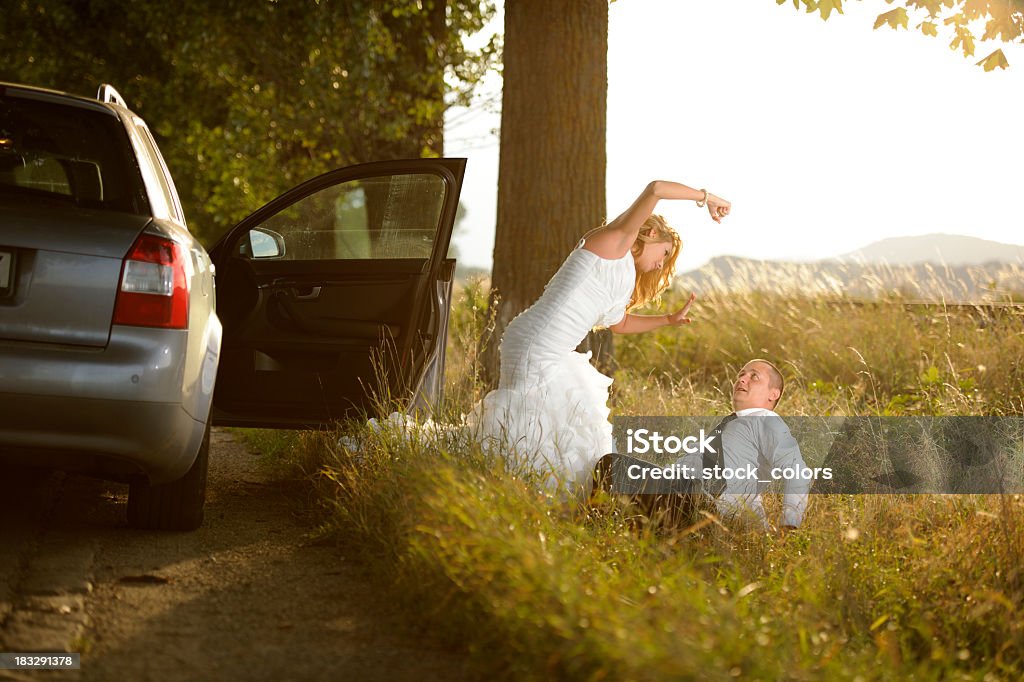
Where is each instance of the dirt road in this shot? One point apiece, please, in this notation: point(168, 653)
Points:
point(251, 595)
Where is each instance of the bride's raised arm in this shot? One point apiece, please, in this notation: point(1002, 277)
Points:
point(616, 238)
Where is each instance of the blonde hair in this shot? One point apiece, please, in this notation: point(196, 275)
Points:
point(650, 285)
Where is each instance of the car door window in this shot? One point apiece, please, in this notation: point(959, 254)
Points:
point(383, 217)
point(162, 175)
point(160, 199)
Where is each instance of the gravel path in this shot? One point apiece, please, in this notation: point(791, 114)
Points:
point(251, 595)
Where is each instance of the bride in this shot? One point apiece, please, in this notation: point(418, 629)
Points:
point(549, 413)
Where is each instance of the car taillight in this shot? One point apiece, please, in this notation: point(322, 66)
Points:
point(154, 288)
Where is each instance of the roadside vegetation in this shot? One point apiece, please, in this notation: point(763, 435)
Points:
point(871, 587)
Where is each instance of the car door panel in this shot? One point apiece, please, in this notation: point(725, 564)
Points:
point(311, 337)
point(291, 349)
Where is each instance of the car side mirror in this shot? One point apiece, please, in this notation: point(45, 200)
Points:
point(262, 243)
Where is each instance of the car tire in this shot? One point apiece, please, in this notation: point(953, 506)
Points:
point(172, 506)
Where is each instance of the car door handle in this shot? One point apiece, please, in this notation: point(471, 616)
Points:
point(306, 293)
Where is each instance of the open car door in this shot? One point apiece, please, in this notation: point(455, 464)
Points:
point(337, 294)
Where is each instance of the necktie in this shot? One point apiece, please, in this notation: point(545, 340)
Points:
point(714, 486)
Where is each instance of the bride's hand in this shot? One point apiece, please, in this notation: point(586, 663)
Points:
point(718, 207)
point(679, 317)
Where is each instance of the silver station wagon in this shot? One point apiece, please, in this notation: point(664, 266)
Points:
point(113, 335)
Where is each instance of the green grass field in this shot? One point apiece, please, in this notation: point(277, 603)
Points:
point(871, 587)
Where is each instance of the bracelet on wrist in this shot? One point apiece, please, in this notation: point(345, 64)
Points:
point(703, 202)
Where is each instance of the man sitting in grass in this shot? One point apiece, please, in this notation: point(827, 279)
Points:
point(749, 448)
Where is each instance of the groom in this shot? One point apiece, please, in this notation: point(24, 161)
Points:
point(751, 446)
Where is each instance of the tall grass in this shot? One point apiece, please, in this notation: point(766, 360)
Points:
point(842, 356)
point(871, 587)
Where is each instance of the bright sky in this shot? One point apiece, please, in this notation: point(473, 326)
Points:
point(826, 136)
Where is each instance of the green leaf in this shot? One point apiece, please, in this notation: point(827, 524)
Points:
point(895, 18)
point(931, 376)
point(995, 60)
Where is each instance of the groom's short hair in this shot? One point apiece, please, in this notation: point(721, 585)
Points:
point(775, 379)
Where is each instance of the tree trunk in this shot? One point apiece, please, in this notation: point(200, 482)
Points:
point(551, 173)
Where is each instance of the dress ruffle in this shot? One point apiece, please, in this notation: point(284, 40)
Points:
point(558, 427)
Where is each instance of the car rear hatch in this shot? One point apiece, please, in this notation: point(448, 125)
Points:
point(72, 202)
point(60, 269)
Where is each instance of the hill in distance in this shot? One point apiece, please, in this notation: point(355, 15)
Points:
point(936, 267)
point(943, 249)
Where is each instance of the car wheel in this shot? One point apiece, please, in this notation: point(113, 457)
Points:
point(172, 506)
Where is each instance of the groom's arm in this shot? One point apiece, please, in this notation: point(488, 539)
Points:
point(784, 453)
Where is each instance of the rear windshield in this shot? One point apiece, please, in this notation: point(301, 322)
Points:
point(64, 154)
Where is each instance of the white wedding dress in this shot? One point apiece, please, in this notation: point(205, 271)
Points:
point(550, 412)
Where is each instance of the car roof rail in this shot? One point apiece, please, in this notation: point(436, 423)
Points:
point(107, 93)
